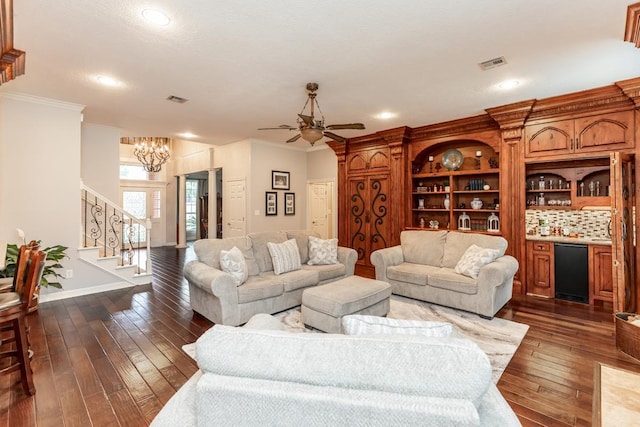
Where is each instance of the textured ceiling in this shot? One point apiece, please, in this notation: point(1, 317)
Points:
point(243, 64)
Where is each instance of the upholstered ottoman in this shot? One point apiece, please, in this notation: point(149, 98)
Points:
point(324, 306)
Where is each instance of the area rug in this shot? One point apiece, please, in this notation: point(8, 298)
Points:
point(498, 338)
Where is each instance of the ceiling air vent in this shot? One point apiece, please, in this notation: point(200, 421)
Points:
point(177, 99)
point(492, 63)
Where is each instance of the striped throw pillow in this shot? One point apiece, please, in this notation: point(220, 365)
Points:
point(284, 256)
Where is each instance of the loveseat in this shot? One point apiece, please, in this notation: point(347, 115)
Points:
point(467, 271)
point(257, 377)
point(214, 294)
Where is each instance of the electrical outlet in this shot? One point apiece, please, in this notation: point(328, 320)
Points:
point(69, 274)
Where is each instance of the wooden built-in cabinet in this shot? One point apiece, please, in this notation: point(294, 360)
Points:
point(540, 269)
point(371, 183)
point(596, 133)
point(600, 273)
point(386, 182)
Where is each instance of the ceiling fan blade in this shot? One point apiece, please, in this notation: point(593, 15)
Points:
point(294, 139)
point(308, 120)
point(347, 126)
point(335, 137)
point(281, 127)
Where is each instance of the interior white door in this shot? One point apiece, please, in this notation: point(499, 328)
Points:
point(320, 212)
point(234, 216)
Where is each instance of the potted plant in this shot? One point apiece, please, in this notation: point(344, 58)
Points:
point(55, 254)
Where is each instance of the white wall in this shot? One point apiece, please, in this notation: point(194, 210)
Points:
point(100, 167)
point(265, 158)
point(322, 164)
point(40, 179)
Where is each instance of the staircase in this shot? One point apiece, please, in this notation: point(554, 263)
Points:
point(114, 240)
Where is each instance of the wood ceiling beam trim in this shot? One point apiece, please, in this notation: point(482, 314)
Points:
point(12, 61)
point(632, 28)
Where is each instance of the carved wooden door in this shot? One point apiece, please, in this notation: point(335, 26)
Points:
point(368, 224)
point(622, 199)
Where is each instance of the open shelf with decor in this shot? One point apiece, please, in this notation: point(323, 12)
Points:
point(453, 183)
point(568, 184)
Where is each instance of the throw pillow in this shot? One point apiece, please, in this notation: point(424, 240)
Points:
point(285, 256)
point(474, 259)
point(322, 251)
point(357, 324)
point(232, 262)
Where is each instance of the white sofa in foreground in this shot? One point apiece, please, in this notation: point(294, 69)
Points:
point(427, 266)
point(214, 294)
point(255, 377)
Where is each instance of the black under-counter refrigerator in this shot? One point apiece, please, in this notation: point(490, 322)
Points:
point(572, 272)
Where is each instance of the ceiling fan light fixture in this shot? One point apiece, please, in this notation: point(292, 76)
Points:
point(311, 135)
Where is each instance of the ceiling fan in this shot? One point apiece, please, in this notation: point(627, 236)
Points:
point(310, 128)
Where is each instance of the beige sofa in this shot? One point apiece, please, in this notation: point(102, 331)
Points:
point(423, 267)
point(253, 376)
point(215, 295)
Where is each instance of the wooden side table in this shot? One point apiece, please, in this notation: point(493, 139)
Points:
point(616, 397)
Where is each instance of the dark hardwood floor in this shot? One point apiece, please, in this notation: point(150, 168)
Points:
point(115, 358)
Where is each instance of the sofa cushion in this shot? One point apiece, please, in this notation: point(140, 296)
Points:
point(423, 247)
point(261, 251)
point(446, 278)
point(443, 367)
point(474, 259)
point(258, 288)
point(327, 272)
point(285, 256)
point(457, 244)
point(358, 324)
point(232, 262)
point(411, 273)
point(302, 239)
point(322, 252)
point(293, 280)
point(208, 251)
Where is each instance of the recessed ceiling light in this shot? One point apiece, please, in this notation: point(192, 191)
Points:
point(108, 81)
point(156, 17)
point(187, 135)
point(385, 115)
point(508, 84)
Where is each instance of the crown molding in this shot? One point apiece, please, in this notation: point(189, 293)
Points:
point(42, 101)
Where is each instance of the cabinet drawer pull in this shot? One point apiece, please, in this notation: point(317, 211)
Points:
point(571, 144)
point(577, 143)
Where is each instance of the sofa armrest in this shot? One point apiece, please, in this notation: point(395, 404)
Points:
point(212, 280)
point(498, 272)
point(348, 257)
point(384, 258)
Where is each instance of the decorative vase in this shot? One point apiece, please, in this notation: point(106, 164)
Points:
point(447, 201)
point(476, 203)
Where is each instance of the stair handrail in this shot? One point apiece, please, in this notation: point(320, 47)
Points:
point(118, 217)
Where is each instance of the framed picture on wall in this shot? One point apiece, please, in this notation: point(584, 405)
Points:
point(289, 203)
point(271, 203)
point(279, 180)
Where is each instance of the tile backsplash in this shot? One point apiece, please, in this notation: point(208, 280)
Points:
point(589, 223)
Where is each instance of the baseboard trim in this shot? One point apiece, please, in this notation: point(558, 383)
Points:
point(56, 296)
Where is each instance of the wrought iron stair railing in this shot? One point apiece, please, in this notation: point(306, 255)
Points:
point(115, 232)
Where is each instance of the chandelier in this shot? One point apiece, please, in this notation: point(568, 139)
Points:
point(152, 152)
